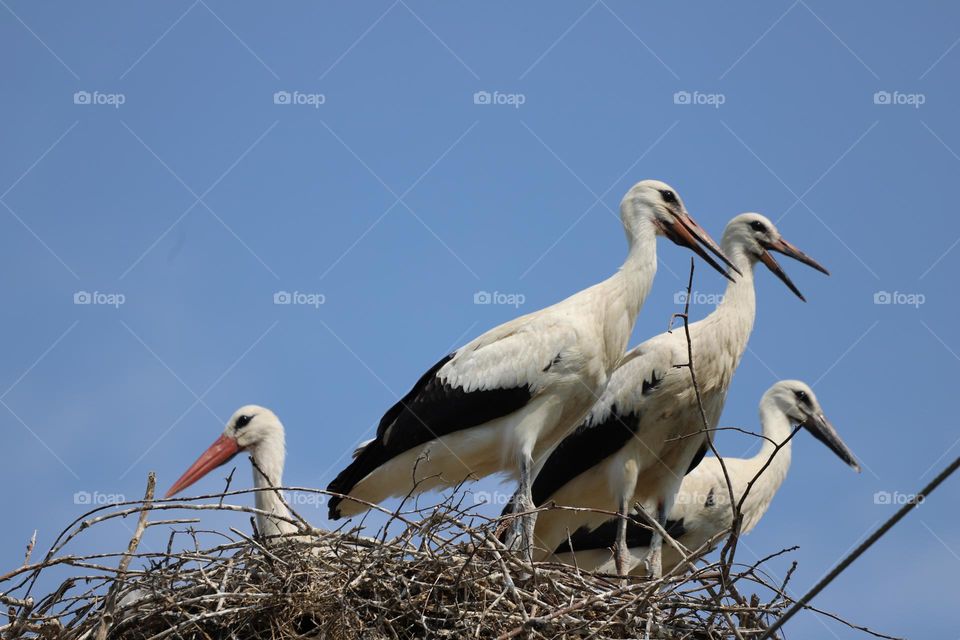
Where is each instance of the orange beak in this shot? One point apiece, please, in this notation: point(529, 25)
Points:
point(220, 452)
point(687, 233)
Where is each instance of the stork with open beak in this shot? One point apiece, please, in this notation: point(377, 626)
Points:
point(259, 432)
point(507, 398)
point(702, 508)
point(646, 430)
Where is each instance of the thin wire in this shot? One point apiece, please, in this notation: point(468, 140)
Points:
point(856, 553)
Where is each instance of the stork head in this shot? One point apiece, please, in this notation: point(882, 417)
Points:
point(659, 203)
point(755, 236)
point(251, 428)
point(799, 403)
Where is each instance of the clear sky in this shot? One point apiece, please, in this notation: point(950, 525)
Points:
point(149, 159)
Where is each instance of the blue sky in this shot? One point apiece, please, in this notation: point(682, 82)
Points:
point(147, 161)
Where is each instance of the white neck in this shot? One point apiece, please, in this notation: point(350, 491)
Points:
point(640, 266)
point(739, 303)
point(720, 339)
point(622, 294)
point(269, 457)
point(774, 463)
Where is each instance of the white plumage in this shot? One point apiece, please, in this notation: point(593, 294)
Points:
point(258, 431)
point(506, 398)
point(646, 430)
point(702, 508)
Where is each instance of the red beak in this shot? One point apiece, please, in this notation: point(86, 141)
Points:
point(220, 452)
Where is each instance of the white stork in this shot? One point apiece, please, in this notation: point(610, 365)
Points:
point(702, 508)
point(646, 431)
point(258, 431)
point(506, 398)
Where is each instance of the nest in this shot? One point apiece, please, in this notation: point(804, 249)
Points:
point(440, 572)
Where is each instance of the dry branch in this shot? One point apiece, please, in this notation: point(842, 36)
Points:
point(439, 572)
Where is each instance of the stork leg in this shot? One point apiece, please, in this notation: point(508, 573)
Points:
point(621, 553)
point(654, 558)
point(525, 495)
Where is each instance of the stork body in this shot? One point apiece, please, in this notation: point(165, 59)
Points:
point(646, 431)
point(702, 508)
point(508, 397)
point(258, 431)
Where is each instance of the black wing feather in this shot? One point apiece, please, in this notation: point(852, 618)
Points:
point(649, 386)
point(605, 536)
point(582, 450)
point(430, 410)
point(697, 459)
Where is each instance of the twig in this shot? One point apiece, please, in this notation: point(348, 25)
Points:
point(685, 316)
point(30, 545)
point(443, 574)
point(107, 618)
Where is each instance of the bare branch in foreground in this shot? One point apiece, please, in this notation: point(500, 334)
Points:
point(439, 572)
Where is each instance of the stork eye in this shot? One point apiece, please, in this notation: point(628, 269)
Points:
point(668, 196)
point(243, 421)
point(802, 396)
point(756, 225)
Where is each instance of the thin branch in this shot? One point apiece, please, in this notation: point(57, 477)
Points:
point(106, 619)
point(685, 316)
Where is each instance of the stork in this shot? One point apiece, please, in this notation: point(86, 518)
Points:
point(702, 508)
point(258, 431)
point(506, 399)
point(646, 430)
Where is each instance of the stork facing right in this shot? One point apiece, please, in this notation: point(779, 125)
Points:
point(646, 430)
point(505, 399)
point(702, 508)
